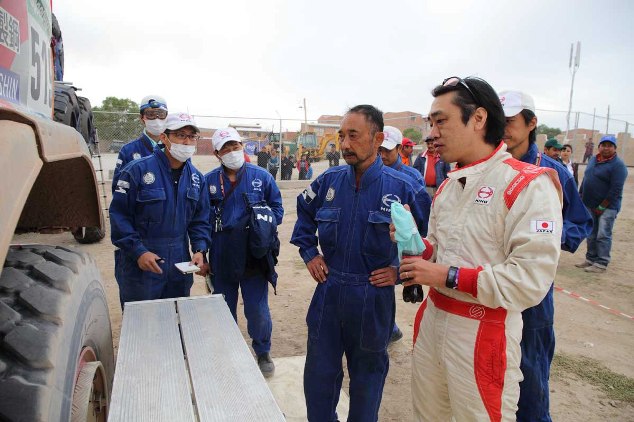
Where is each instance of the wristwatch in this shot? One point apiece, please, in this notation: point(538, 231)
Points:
point(201, 251)
point(452, 278)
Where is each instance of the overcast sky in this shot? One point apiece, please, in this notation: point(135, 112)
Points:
point(261, 58)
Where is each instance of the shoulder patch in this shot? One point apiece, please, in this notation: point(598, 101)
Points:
point(527, 173)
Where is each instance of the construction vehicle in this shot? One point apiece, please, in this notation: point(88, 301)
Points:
point(56, 354)
point(316, 146)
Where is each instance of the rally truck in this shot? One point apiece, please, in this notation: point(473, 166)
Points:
point(56, 354)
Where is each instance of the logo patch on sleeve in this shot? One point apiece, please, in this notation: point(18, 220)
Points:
point(484, 195)
point(308, 195)
point(542, 226)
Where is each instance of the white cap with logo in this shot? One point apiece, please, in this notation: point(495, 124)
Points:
point(224, 135)
point(393, 137)
point(177, 121)
point(513, 102)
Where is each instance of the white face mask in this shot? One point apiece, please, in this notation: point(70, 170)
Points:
point(233, 160)
point(155, 127)
point(182, 152)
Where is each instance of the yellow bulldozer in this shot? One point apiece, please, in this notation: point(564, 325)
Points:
point(316, 146)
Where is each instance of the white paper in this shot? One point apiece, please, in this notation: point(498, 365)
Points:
point(186, 267)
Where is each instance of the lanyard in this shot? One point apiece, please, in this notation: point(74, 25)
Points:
point(219, 208)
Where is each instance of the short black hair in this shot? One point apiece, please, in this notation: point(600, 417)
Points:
point(568, 146)
point(372, 115)
point(528, 116)
point(481, 95)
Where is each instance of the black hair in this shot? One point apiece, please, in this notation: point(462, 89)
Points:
point(528, 116)
point(372, 115)
point(481, 95)
point(568, 146)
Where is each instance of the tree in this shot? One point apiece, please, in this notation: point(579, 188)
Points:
point(414, 134)
point(117, 119)
point(550, 132)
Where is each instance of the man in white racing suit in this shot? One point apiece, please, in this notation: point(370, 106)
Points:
point(493, 245)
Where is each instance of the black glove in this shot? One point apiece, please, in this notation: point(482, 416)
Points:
point(413, 293)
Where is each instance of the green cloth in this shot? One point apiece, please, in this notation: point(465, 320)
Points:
point(407, 236)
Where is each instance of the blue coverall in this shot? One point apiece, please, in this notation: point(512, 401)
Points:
point(149, 212)
point(538, 336)
point(257, 184)
point(133, 150)
point(347, 314)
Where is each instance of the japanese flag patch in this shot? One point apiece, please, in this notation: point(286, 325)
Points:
point(542, 226)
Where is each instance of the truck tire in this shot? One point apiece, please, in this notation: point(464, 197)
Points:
point(86, 124)
point(87, 235)
point(66, 106)
point(54, 321)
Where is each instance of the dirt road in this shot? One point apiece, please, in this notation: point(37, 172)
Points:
point(600, 389)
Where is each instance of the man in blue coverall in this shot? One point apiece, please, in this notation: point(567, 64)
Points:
point(538, 336)
point(352, 309)
point(159, 207)
point(231, 186)
point(153, 111)
point(390, 155)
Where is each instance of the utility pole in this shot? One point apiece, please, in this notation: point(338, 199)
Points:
point(281, 147)
point(573, 65)
point(594, 115)
point(305, 119)
point(607, 123)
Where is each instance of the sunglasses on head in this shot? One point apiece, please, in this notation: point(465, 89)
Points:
point(455, 81)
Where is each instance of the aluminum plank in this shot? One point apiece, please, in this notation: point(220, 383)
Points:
point(151, 381)
point(228, 384)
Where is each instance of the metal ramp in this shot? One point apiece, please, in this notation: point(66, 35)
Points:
point(185, 360)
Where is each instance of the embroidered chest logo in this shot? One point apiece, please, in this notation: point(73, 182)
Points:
point(476, 311)
point(330, 195)
point(484, 195)
point(196, 181)
point(387, 201)
point(542, 226)
point(148, 178)
point(213, 189)
point(257, 184)
point(136, 156)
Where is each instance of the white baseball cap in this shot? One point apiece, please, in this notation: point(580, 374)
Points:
point(153, 101)
point(224, 135)
point(177, 121)
point(393, 137)
point(513, 102)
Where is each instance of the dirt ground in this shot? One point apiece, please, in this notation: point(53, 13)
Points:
point(583, 329)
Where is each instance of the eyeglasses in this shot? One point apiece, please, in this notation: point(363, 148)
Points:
point(182, 136)
point(455, 80)
point(155, 114)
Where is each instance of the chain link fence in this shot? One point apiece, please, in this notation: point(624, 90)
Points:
point(589, 126)
point(115, 129)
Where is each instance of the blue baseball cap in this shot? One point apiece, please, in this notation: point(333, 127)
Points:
point(608, 138)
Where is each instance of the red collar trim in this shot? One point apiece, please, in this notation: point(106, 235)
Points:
point(481, 160)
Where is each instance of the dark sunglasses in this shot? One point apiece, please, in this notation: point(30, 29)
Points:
point(455, 81)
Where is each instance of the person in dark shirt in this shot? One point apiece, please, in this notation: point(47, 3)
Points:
point(264, 157)
point(333, 156)
point(287, 167)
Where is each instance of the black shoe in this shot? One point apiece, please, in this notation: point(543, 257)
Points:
point(267, 367)
point(396, 336)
